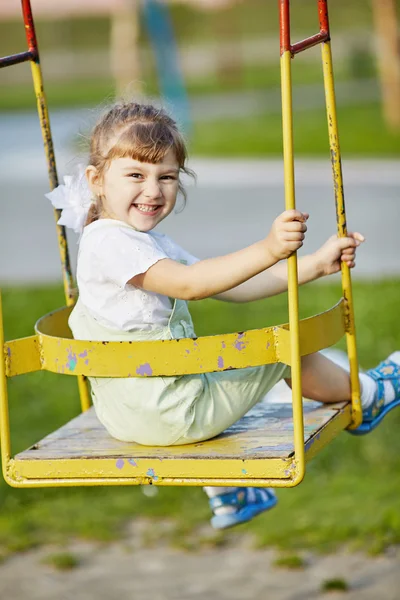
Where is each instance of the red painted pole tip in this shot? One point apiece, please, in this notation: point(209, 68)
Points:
point(29, 27)
point(284, 25)
point(323, 16)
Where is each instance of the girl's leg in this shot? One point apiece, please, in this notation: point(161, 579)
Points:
point(325, 381)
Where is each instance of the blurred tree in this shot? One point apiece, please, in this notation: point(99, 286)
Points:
point(388, 58)
point(124, 48)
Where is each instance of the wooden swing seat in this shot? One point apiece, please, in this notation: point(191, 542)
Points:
point(83, 449)
point(257, 451)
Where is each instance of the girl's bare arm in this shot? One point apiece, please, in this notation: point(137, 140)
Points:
point(207, 277)
point(216, 275)
point(326, 261)
point(271, 282)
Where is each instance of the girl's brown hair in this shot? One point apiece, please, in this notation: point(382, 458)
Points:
point(139, 131)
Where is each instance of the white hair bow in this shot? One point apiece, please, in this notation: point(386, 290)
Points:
point(73, 198)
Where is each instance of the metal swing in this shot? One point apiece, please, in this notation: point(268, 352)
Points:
point(269, 447)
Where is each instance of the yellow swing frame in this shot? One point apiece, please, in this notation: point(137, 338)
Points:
point(259, 450)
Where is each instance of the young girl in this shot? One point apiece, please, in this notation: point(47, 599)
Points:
point(134, 284)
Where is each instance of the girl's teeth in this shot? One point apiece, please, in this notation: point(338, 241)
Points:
point(144, 208)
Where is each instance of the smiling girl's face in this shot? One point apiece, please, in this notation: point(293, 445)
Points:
point(140, 194)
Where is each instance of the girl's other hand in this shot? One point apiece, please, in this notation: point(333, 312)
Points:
point(337, 250)
point(287, 233)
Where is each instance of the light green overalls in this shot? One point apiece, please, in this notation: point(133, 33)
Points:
point(165, 411)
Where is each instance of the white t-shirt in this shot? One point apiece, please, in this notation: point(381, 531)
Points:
point(110, 254)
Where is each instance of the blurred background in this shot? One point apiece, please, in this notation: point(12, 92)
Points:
point(215, 65)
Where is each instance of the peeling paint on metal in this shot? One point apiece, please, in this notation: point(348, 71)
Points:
point(240, 344)
point(144, 370)
point(150, 473)
point(72, 360)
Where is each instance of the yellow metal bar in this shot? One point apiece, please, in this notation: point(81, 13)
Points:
point(175, 357)
point(84, 393)
point(89, 468)
point(155, 358)
point(22, 356)
point(290, 203)
point(166, 358)
point(167, 481)
point(315, 333)
point(69, 288)
point(329, 431)
point(342, 230)
point(4, 414)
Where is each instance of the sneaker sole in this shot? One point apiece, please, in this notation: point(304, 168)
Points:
point(370, 425)
point(242, 516)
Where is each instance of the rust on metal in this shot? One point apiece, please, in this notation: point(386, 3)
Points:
point(15, 59)
point(309, 42)
point(314, 40)
point(323, 17)
point(30, 29)
point(284, 25)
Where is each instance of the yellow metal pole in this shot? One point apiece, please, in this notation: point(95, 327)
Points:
point(62, 240)
point(51, 163)
point(4, 414)
point(293, 289)
point(342, 230)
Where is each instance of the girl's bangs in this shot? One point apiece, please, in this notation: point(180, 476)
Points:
point(147, 142)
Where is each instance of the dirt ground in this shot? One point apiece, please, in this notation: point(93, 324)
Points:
point(132, 570)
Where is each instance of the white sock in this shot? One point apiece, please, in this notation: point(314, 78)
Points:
point(212, 491)
point(368, 390)
point(369, 386)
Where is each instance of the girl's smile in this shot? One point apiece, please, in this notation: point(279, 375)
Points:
point(141, 194)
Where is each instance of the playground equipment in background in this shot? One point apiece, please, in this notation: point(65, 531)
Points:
point(268, 447)
point(159, 26)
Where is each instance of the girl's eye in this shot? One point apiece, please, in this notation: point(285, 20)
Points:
point(136, 175)
point(168, 177)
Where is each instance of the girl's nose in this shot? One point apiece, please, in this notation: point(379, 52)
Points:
point(152, 189)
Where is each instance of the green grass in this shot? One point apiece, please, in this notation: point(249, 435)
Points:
point(335, 585)
point(350, 493)
point(62, 561)
point(91, 91)
point(64, 94)
point(362, 133)
point(290, 561)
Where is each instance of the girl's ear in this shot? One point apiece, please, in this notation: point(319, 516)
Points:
point(93, 179)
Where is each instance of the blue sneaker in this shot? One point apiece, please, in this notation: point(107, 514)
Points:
point(248, 504)
point(386, 371)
